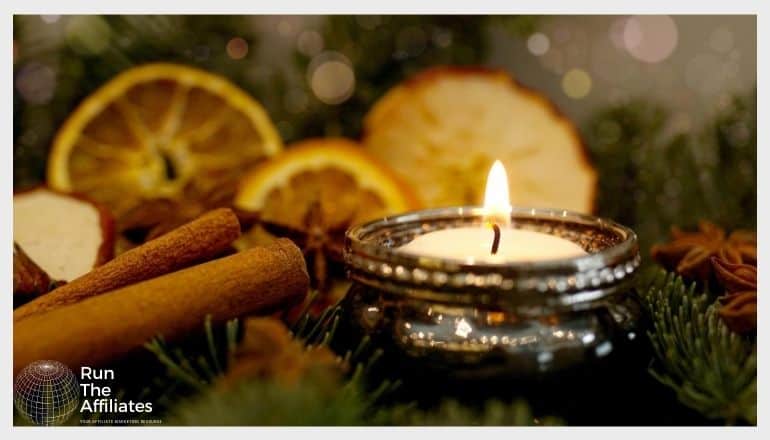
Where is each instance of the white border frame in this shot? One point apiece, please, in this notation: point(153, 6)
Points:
point(565, 7)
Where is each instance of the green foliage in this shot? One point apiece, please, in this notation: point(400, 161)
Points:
point(192, 368)
point(318, 401)
point(730, 163)
point(387, 49)
point(651, 181)
point(711, 369)
point(191, 396)
point(86, 51)
point(313, 401)
point(197, 370)
point(453, 413)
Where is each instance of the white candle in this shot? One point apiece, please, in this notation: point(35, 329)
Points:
point(474, 244)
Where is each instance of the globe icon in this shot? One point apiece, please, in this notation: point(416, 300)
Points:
point(46, 393)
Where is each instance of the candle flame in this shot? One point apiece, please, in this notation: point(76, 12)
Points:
point(497, 202)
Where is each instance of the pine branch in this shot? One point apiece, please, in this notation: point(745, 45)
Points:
point(711, 369)
point(453, 413)
point(651, 180)
point(313, 401)
point(317, 399)
point(208, 357)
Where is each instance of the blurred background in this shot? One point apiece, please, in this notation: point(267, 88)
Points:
point(665, 107)
point(633, 85)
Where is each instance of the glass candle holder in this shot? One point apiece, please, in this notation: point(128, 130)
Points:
point(507, 319)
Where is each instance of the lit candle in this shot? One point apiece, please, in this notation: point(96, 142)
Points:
point(496, 241)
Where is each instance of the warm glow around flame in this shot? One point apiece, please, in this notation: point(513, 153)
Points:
point(497, 202)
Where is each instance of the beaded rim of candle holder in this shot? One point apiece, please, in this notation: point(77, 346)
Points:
point(372, 257)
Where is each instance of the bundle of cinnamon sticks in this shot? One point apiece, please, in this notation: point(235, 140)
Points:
point(166, 286)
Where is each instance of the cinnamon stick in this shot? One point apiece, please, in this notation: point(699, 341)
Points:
point(201, 239)
point(106, 327)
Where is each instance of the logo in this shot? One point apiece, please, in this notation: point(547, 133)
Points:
point(46, 393)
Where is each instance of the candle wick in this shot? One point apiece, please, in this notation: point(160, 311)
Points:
point(496, 240)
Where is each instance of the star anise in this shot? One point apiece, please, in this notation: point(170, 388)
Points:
point(735, 277)
point(739, 311)
point(320, 242)
point(739, 305)
point(689, 253)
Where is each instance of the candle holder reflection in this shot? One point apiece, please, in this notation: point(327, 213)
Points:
point(494, 318)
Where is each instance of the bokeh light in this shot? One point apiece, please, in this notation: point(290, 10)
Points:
point(310, 43)
point(50, 18)
point(442, 38)
point(331, 77)
point(538, 44)
point(721, 40)
point(650, 38)
point(289, 26)
point(36, 83)
point(88, 34)
point(237, 48)
point(576, 83)
point(616, 32)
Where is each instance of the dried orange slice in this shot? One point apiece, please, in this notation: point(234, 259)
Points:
point(156, 131)
point(332, 176)
point(443, 129)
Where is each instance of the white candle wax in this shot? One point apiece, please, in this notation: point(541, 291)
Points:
point(474, 245)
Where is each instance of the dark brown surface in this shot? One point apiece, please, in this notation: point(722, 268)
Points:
point(29, 280)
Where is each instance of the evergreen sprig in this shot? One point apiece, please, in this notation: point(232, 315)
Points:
point(199, 369)
point(453, 413)
point(711, 369)
point(652, 178)
point(318, 399)
point(313, 401)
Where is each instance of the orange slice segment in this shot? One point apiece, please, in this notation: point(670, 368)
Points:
point(442, 130)
point(345, 183)
point(155, 131)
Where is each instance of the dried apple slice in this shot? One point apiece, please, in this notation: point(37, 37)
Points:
point(441, 131)
point(65, 235)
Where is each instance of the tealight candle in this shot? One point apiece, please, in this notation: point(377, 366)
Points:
point(506, 313)
point(496, 241)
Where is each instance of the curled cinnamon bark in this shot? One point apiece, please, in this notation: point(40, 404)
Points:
point(201, 239)
point(106, 327)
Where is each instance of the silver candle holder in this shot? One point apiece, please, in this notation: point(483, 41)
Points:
point(494, 319)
